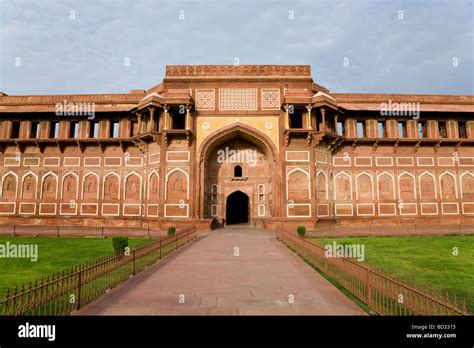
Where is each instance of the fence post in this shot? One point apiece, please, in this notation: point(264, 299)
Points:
point(57, 231)
point(161, 251)
point(79, 285)
point(176, 242)
point(133, 272)
point(369, 288)
point(148, 231)
point(14, 230)
point(102, 231)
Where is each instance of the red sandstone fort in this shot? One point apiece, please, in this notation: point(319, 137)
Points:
point(150, 158)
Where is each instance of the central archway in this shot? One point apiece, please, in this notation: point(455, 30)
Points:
point(237, 208)
point(237, 157)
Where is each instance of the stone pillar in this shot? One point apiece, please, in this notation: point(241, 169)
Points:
point(152, 119)
point(188, 119)
point(287, 117)
point(323, 115)
point(166, 118)
point(308, 120)
point(139, 116)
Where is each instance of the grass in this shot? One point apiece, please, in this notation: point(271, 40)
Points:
point(55, 255)
point(428, 259)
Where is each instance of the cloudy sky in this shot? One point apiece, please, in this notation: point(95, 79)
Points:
point(113, 46)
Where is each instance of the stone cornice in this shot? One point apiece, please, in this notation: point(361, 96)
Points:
point(237, 70)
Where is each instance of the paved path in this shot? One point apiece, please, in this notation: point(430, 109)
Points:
point(259, 281)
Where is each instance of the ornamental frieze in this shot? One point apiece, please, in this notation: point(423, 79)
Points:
point(238, 70)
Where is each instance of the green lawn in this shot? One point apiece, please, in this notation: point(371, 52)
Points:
point(428, 259)
point(55, 254)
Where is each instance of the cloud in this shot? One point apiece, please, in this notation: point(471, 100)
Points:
point(87, 54)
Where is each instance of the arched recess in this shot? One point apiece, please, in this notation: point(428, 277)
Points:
point(132, 186)
point(385, 186)
point(111, 186)
point(342, 187)
point(153, 185)
point(427, 184)
point(70, 186)
point(177, 185)
point(9, 186)
point(364, 187)
point(447, 186)
point(298, 185)
point(49, 186)
point(29, 186)
point(406, 187)
point(268, 155)
point(90, 186)
point(467, 186)
point(322, 185)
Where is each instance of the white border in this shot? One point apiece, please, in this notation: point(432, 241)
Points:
point(387, 204)
point(178, 216)
point(302, 160)
point(451, 203)
point(371, 205)
point(362, 165)
point(337, 205)
point(173, 161)
point(23, 203)
point(61, 209)
point(9, 203)
point(425, 204)
point(132, 204)
point(383, 165)
point(55, 208)
point(297, 216)
point(425, 165)
point(110, 204)
point(96, 210)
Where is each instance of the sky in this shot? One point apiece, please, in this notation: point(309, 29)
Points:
point(353, 46)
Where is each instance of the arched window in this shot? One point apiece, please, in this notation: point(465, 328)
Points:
point(214, 193)
point(237, 171)
point(261, 192)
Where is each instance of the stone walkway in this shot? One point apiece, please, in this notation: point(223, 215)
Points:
point(206, 277)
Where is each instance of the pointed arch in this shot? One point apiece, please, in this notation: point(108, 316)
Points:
point(130, 189)
point(448, 186)
point(322, 187)
point(8, 189)
point(385, 190)
point(49, 183)
point(467, 186)
point(111, 186)
point(343, 186)
point(153, 188)
point(293, 185)
point(29, 186)
point(179, 171)
point(66, 185)
point(90, 186)
point(365, 190)
point(427, 184)
point(406, 186)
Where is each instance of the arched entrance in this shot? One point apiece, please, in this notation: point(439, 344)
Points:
point(240, 158)
point(237, 208)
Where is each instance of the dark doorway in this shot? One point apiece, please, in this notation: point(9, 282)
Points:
point(237, 208)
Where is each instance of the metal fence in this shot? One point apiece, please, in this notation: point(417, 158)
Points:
point(62, 293)
point(80, 231)
point(384, 293)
